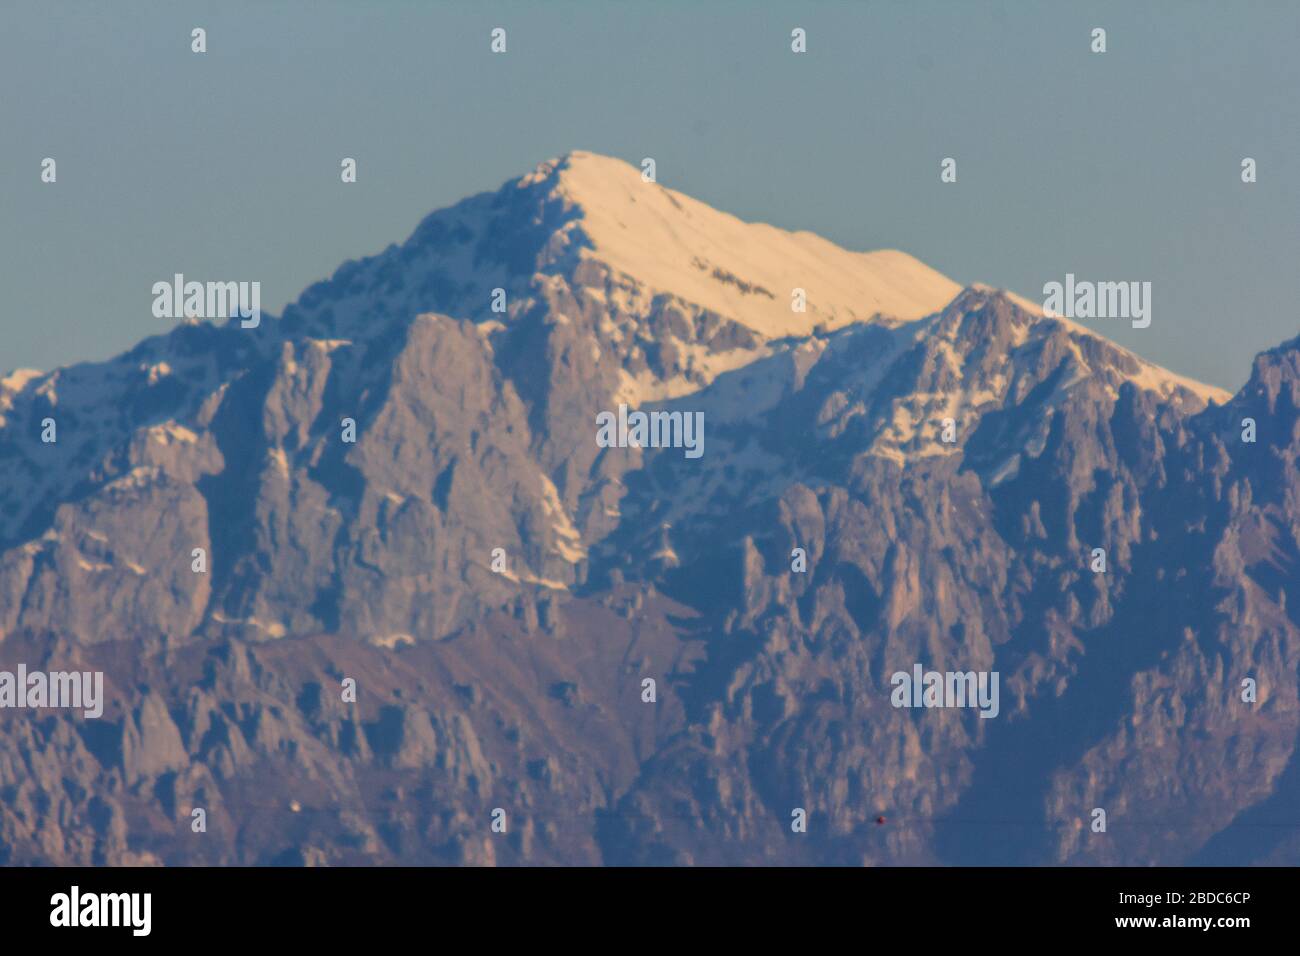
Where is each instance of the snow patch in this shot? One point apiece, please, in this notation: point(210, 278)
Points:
point(568, 543)
point(171, 432)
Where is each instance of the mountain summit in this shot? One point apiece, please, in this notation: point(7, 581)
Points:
point(645, 656)
point(671, 243)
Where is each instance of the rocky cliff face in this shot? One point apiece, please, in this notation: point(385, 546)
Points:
point(901, 472)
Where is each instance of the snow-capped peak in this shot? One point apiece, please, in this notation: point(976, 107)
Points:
point(1148, 375)
point(748, 272)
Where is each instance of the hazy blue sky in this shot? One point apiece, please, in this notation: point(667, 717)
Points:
point(1124, 165)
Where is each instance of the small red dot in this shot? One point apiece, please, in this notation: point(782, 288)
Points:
point(879, 821)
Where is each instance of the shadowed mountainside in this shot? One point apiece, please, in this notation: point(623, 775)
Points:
point(520, 686)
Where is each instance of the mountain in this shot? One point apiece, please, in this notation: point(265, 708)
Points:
point(499, 586)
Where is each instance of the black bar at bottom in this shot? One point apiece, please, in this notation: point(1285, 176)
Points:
point(331, 906)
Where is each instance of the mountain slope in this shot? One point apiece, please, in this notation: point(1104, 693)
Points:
point(947, 459)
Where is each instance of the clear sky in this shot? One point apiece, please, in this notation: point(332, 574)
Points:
point(1123, 165)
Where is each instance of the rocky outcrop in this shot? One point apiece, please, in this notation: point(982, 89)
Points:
point(361, 580)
